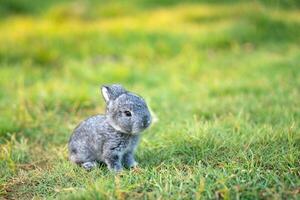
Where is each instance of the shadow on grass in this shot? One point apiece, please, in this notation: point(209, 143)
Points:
point(258, 29)
point(290, 4)
point(20, 7)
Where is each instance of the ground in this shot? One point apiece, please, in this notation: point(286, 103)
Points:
point(222, 78)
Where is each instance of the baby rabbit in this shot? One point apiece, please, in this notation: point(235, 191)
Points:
point(113, 137)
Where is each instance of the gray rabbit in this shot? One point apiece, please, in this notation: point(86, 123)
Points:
point(111, 138)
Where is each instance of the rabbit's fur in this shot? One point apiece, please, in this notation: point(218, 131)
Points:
point(113, 137)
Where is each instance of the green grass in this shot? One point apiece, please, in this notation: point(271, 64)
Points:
point(223, 79)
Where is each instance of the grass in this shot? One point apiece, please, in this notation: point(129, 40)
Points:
point(223, 79)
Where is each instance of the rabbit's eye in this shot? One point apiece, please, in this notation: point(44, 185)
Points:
point(127, 113)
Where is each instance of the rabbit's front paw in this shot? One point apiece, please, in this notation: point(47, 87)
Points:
point(129, 161)
point(133, 164)
point(115, 168)
point(113, 163)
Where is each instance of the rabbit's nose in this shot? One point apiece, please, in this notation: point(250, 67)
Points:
point(146, 121)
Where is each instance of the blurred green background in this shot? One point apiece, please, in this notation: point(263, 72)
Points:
point(223, 78)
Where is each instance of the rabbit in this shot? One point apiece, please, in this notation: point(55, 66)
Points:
point(111, 138)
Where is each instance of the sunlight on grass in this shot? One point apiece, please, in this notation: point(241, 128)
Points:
point(223, 79)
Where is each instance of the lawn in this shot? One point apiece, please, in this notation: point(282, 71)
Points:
point(222, 78)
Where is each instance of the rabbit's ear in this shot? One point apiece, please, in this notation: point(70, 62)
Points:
point(104, 91)
point(111, 92)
